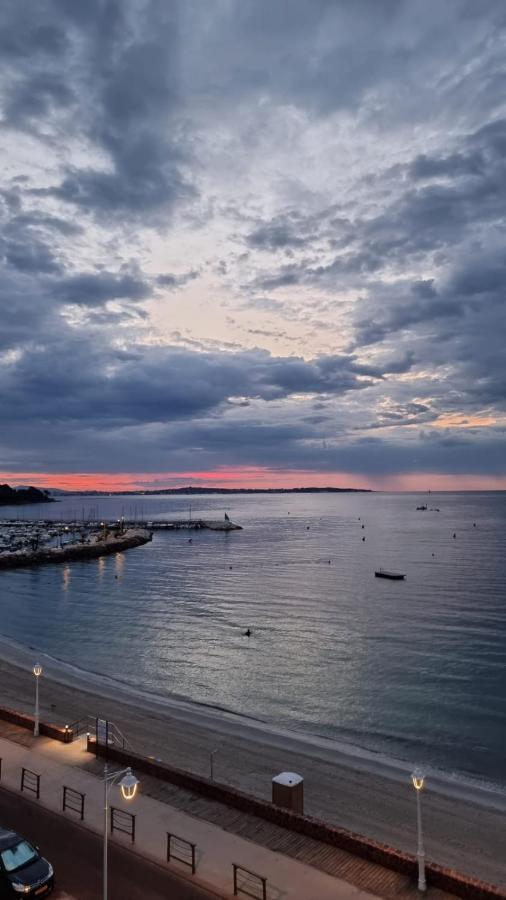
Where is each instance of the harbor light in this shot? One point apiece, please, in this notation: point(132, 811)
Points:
point(37, 670)
point(418, 779)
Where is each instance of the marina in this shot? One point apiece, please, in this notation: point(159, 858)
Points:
point(28, 543)
point(34, 551)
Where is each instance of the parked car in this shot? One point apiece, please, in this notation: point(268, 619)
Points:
point(23, 871)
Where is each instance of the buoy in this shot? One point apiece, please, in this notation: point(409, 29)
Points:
point(363, 526)
point(363, 538)
point(454, 535)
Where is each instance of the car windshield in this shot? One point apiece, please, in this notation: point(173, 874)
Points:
point(19, 855)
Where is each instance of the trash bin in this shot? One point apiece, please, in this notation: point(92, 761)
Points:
point(288, 791)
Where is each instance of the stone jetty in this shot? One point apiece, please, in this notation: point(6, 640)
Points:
point(102, 544)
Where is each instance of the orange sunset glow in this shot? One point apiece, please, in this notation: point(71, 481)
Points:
point(253, 477)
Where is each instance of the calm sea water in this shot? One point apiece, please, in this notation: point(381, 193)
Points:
point(415, 669)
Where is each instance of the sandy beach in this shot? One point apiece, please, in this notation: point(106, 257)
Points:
point(464, 823)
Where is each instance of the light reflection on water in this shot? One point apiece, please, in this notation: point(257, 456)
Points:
point(415, 668)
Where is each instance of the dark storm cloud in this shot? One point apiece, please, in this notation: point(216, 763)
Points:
point(112, 70)
point(35, 97)
point(194, 443)
point(76, 380)
point(444, 201)
point(95, 289)
point(327, 55)
point(275, 236)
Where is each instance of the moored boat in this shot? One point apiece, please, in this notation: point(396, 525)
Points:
point(394, 576)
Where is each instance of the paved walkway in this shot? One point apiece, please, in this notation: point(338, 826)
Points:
point(59, 764)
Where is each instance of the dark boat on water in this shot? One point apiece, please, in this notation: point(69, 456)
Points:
point(394, 576)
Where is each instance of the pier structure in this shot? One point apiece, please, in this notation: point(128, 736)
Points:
point(123, 523)
point(192, 524)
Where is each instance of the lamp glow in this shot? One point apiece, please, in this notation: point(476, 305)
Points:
point(128, 785)
point(37, 670)
point(418, 778)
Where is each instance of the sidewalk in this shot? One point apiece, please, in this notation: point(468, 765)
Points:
point(60, 764)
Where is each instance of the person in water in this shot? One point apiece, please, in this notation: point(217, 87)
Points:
point(247, 633)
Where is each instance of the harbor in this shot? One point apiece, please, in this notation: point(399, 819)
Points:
point(28, 543)
point(35, 550)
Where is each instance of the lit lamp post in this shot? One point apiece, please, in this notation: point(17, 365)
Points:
point(418, 778)
point(128, 785)
point(37, 671)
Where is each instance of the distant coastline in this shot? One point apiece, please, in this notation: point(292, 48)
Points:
point(217, 490)
point(21, 496)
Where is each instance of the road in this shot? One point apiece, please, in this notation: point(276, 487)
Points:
point(76, 856)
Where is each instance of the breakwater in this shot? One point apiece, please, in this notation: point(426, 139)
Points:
point(101, 546)
point(194, 524)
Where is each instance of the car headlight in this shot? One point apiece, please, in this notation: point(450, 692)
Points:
point(21, 888)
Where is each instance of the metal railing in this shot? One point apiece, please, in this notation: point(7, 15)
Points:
point(74, 801)
point(182, 850)
point(246, 881)
point(103, 730)
point(123, 821)
point(30, 781)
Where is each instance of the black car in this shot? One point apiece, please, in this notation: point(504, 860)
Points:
point(23, 871)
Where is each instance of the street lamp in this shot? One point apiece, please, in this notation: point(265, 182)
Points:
point(128, 785)
point(37, 671)
point(418, 778)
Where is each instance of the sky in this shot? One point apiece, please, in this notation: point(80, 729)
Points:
point(253, 242)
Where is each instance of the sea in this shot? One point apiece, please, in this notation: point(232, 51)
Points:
point(413, 670)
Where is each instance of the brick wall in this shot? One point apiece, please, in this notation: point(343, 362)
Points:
point(25, 721)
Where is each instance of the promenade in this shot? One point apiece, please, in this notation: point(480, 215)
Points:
point(61, 765)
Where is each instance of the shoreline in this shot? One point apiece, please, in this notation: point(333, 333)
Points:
point(350, 787)
point(228, 722)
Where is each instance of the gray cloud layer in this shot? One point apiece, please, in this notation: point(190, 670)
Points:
point(135, 130)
